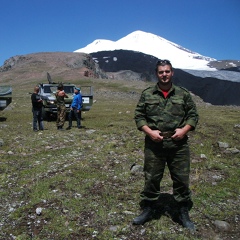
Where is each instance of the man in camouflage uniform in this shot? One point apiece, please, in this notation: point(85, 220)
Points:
point(61, 108)
point(166, 113)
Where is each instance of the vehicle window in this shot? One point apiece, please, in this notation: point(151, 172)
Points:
point(68, 89)
point(47, 89)
point(53, 89)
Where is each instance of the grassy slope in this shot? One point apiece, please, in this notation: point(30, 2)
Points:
point(82, 180)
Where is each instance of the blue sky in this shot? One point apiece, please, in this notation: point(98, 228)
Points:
point(209, 27)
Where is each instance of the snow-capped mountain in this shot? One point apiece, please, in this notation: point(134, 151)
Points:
point(154, 45)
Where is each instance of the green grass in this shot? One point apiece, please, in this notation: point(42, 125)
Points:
point(82, 179)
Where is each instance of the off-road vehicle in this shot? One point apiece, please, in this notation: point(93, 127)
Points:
point(47, 93)
point(5, 96)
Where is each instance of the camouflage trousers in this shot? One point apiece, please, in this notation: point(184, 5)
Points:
point(61, 115)
point(174, 154)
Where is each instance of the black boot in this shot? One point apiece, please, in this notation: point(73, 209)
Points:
point(184, 217)
point(145, 216)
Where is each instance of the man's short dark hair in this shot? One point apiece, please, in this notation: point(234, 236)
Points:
point(164, 62)
point(60, 86)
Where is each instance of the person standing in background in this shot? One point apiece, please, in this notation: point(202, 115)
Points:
point(61, 108)
point(75, 109)
point(37, 105)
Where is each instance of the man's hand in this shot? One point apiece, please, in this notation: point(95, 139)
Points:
point(153, 134)
point(180, 133)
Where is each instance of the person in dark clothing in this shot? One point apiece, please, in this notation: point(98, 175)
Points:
point(166, 113)
point(75, 109)
point(37, 110)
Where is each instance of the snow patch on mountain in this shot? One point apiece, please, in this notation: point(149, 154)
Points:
point(154, 45)
point(223, 74)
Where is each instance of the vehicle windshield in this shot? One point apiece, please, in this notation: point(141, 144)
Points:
point(53, 89)
point(48, 89)
point(68, 89)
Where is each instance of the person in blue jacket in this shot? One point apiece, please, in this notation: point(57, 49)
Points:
point(75, 109)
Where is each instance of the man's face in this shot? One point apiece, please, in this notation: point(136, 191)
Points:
point(164, 74)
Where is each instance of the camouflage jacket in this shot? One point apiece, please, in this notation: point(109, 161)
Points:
point(166, 114)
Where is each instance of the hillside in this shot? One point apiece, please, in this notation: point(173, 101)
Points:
point(63, 66)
